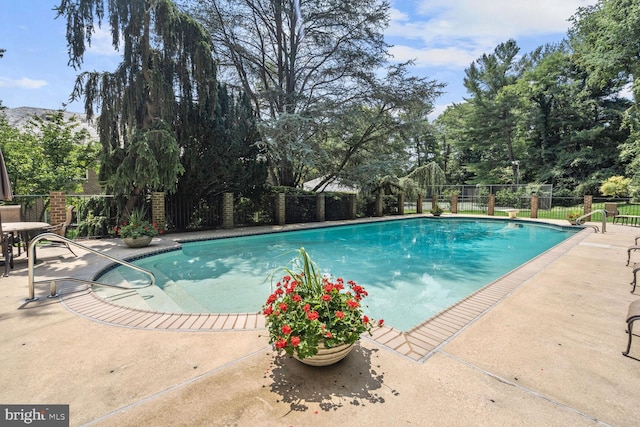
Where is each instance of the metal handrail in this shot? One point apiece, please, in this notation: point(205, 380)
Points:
point(57, 237)
point(600, 211)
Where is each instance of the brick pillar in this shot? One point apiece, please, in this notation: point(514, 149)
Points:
point(280, 209)
point(419, 204)
point(353, 206)
point(157, 209)
point(588, 204)
point(57, 207)
point(320, 207)
point(227, 210)
point(400, 204)
point(491, 204)
point(454, 203)
point(535, 203)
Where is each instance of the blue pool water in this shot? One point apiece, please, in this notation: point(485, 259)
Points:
point(412, 268)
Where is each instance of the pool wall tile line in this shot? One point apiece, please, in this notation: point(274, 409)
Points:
point(417, 344)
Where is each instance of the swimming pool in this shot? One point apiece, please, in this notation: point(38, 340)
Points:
point(412, 268)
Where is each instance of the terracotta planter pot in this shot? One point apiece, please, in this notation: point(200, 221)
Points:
point(327, 356)
point(139, 242)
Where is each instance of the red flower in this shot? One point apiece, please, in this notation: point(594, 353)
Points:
point(281, 343)
point(295, 341)
point(283, 307)
point(313, 315)
point(286, 329)
point(339, 315)
point(328, 335)
point(296, 298)
point(328, 288)
point(326, 297)
point(272, 298)
point(380, 322)
point(268, 310)
point(306, 308)
point(365, 319)
point(353, 304)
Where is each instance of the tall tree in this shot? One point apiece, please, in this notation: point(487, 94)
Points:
point(46, 155)
point(304, 64)
point(451, 132)
point(369, 135)
point(223, 154)
point(606, 41)
point(167, 70)
point(572, 128)
point(490, 82)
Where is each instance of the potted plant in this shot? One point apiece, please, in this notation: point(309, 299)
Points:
point(436, 210)
point(137, 232)
point(572, 217)
point(313, 317)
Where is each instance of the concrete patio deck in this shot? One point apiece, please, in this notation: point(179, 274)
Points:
point(548, 353)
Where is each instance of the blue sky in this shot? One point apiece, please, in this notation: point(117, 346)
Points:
point(443, 36)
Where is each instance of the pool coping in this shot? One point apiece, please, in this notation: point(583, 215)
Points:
point(416, 344)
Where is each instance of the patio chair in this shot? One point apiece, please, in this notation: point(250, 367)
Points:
point(636, 268)
point(61, 229)
point(6, 241)
point(612, 209)
point(632, 315)
point(13, 213)
point(634, 247)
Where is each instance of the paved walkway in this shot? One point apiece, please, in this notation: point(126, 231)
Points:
point(548, 353)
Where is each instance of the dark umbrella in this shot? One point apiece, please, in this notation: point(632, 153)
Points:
point(5, 184)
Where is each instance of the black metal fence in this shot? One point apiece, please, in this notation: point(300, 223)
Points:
point(96, 216)
point(184, 213)
point(300, 208)
point(337, 207)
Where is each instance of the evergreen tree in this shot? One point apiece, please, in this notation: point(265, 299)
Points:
point(606, 41)
point(491, 128)
point(167, 71)
point(223, 154)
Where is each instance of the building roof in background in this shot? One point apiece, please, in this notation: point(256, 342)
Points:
point(333, 186)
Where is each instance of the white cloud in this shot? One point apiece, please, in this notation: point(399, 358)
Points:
point(101, 43)
point(453, 33)
point(452, 57)
point(499, 18)
point(23, 83)
point(437, 110)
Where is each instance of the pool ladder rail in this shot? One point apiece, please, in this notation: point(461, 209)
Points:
point(604, 219)
point(57, 238)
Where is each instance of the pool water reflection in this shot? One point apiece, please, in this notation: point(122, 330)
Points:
point(412, 268)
